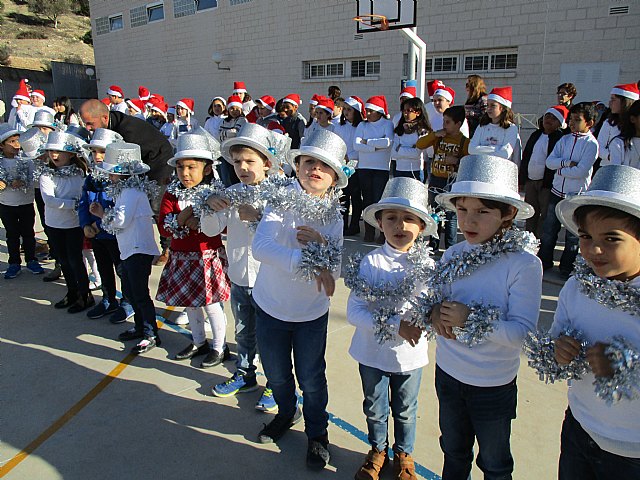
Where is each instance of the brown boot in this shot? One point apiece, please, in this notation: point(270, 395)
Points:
point(403, 467)
point(162, 259)
point(373, 465)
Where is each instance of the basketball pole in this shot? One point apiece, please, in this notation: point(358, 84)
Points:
point(421, 48)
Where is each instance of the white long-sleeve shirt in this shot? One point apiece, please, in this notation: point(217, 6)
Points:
point(605, 137)
point(492, 139)
point(134, 218)
point(60, 195)
point(243, 267)
point(120, 107)
point(312, 128)
point(347, 133)
point(408, 158)
point(382, 265)
point(278, 291)
point(376, 153)
point(615, 428)
point(619, 155)
point(581, 148)
point(10, 196)
point(212, 125)
point(21, 119)
point(512, 283)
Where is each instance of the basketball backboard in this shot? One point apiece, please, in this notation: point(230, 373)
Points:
point(399, 14)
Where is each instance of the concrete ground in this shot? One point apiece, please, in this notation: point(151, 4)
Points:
point(76, 404)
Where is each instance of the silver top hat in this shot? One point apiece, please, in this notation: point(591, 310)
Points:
point(62, 142)
point(327, 147)
point(490, 178)
point(80, 132)
point(32, 142)
point(406, 194)
point(103, 137)
point(273, 145)
point(7, 131)
point(44, 118)
point(122, 158)
point(614, 186)
point(194, 145)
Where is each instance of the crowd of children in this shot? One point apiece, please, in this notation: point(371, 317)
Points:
point(275, 186)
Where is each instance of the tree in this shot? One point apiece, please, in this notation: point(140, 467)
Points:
point(50, 9)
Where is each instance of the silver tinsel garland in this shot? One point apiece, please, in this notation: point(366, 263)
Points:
point(98, 175)
point(62, 172)
point(21, 174)
point(317, 257)
point(383, 331)
point(107, 221)
point(149, 187)
point(479, 324)
point(625, 383)
point(540, 350)
point(197, 196)
point(172, 226)
point(39, 167)
point(613, 294)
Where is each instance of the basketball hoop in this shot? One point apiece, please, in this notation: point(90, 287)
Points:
point(378, 22)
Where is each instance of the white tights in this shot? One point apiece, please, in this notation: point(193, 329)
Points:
point(217, 320)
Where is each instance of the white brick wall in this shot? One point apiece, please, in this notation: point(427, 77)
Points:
point(266, 42)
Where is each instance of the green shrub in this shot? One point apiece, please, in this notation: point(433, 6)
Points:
point(87, 38)
point(31, 34)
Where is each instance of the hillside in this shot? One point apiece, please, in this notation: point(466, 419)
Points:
point(61, 44)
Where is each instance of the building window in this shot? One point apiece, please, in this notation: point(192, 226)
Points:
point(476, 63)
point(365, 68)
point(442, 64)
point(323, 70)
point(505, 61)
point(490, 62)
point(206, 4)
point(182, 8)
point(238, 2)
point(115, 23)
point(155, 12)
point(102, 25)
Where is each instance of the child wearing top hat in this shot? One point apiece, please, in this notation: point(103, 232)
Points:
point(497, 134)
point(601, 433)
point(256, 154)
point(490, 286)
point(298, 243)
point(391, 368)
point(131, 221)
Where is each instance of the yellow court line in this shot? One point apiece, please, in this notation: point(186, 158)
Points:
point(74, 410)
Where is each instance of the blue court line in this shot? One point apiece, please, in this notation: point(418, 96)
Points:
point(337, 421)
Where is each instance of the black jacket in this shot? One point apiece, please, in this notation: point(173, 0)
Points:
point(547, 180)
point(154, 146)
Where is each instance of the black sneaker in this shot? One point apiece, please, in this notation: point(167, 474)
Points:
point(318, 455)
point(278, 427)
point(214, 357)
point(103, 308)
point(145, 345)
point(131, 334)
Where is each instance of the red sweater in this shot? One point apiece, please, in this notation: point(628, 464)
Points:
point(195, 241)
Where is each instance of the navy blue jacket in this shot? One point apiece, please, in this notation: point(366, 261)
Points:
point(93, 191)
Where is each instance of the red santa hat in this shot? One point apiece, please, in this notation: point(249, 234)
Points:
point(314, 99)
point(408, 92)
point(106, 101)
point(159, 106)
point(432, 86)
point(267, 101)
point(628, 90)
point(561, 113)
point(293, 98)
point(234, 101)
point(239, 87)
point(378, 103)
point(136, 104)
point(325, 103)
point(357, 104)
point(446, 92)
point(276, 127)
point(38, 93)
point(186, 103)
point(23, 92)
point(143, 93)
point(502, 95)
point(116, 91)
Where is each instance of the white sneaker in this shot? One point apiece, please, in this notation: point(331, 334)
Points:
point(182, 319)
point(94, 285)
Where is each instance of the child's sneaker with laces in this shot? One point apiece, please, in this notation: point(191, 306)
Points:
point(102, 309)
point(267, 403)
point(13, 271)
point(236, 384)
point(122, 313)
point(34, 267)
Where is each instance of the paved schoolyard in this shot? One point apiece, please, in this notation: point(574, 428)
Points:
point(75, 404)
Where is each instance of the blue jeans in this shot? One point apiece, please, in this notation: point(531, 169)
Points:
point(441, 185)
point(404, 388)
point(483, 413)
point(244, 313)
point(136, 271)
point(581, 457)
point(308, 341)
point(550, 229)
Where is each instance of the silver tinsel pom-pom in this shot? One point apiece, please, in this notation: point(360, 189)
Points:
point(383, 331)
point(625, 383)
point(149, 187)
point(171, 225)
point(540, 350)
point(421, 309)
point(479, 324)
point(107, 220)
point(317, 257)
point(21, 174)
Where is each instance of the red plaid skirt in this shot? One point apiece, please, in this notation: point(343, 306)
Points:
point(194, 279)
